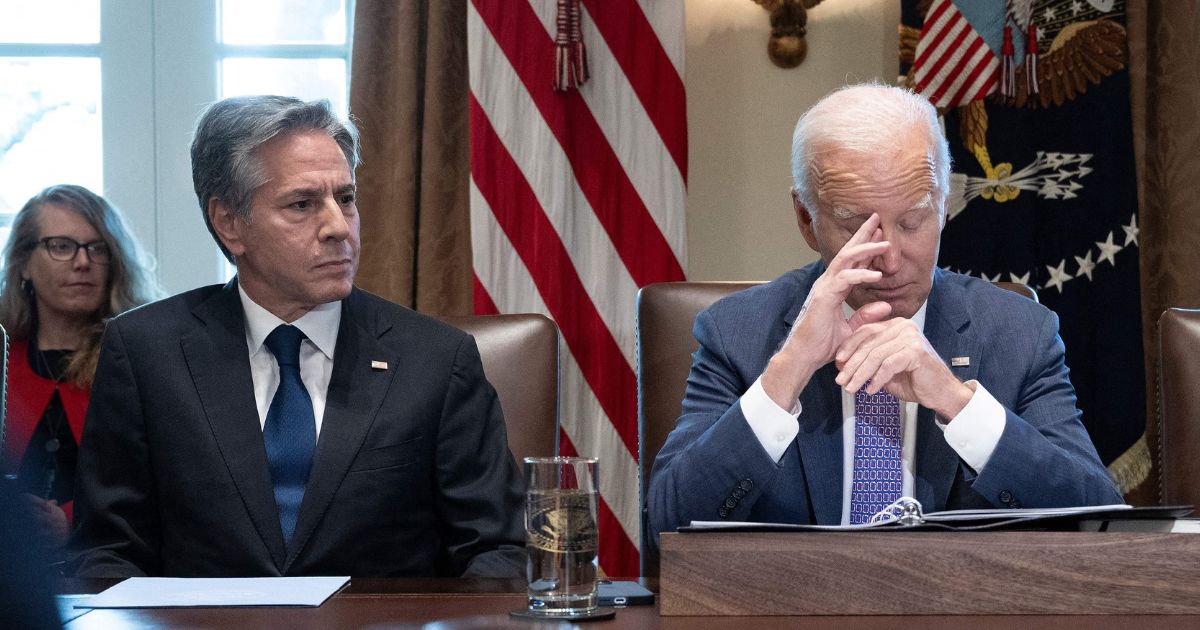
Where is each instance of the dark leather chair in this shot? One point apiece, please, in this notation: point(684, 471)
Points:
point(666, 313)
point(1179, 405)
point(1017, 287)
point(520, 359)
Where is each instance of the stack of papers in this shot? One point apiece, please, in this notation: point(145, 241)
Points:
point(206, 592)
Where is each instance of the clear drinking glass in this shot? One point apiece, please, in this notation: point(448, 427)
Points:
point(560, 533)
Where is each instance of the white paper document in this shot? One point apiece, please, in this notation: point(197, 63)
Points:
point(1186, 526)
point(142, 592)
point(67, 606)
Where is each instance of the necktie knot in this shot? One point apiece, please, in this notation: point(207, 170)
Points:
point(284, 343)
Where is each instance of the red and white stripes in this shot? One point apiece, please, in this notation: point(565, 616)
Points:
point(577, 200)
point(953, 64)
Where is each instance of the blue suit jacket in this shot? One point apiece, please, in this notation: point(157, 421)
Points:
point(712, 459)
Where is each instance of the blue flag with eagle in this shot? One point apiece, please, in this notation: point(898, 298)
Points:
point(1035, 99)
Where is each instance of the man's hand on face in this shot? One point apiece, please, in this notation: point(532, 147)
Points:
point(821, 327)
point(895, 355)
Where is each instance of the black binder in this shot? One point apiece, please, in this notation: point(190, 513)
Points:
point(908, 517)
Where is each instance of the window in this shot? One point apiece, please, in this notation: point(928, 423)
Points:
point(295, 47)
point(49, 100)
point(105, 93)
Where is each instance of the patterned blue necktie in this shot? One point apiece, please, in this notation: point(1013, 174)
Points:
point(878, 472)
point(290, 432)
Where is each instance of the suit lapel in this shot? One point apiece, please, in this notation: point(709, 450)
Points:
point(219, 364)
point(946, 321)
point(820, 436)
point(356, 391)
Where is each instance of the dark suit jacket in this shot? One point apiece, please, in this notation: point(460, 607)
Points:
point(27, 579)
point(411, 474)
point(1044, 457)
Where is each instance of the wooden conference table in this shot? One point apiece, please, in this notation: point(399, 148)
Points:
point(460, 604)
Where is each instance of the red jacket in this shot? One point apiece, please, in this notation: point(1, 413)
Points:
point(28, 395)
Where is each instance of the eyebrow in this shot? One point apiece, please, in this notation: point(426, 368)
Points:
point(316, 192)
point(843, 214)
point(925, 202)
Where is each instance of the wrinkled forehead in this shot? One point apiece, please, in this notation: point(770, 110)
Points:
point(900, 176)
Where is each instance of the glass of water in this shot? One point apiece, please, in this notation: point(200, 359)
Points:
point(560, 535)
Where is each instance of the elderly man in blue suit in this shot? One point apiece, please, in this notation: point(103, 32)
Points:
point(827, 394)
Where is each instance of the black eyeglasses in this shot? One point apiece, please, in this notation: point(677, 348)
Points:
point(65, 249)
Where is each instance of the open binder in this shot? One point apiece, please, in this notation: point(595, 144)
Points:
point(907, 516)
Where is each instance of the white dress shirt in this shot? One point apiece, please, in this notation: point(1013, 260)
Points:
point(320, 325)
point(973, 433)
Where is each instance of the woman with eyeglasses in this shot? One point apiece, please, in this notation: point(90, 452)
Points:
point(69, 265)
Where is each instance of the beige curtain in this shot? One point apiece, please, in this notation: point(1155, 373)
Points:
point(1164, 47)
point(408, 92)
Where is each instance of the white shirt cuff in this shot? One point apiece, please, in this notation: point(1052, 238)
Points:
point(975, 431)
point(774, 427)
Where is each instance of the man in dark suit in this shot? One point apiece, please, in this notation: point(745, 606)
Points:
point(828, 394)
point(288, 423)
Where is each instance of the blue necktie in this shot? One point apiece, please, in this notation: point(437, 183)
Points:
point(878, 473)
point(290, 433)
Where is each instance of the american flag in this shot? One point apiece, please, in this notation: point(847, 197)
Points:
point(953, 64)
point(577, 201)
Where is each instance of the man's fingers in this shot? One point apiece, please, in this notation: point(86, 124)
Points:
point(862, 329)
point(867, 363)
point(888, 369)
point(861, 353)
point(869, 314)
point(858, 255)
point(866, 243)
point(863, 364)
point(850, 345)
point(842, 281)
point(856, 351)
point(865, 231)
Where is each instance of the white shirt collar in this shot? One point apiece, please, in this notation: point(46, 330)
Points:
point(320, 324)
point(918, 318)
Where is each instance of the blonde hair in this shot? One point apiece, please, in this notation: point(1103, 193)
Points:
point(130, 282)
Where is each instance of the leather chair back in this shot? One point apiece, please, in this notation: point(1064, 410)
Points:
point(1017, 287)
point(520, 359)
point(666, 313)
point(1179, 405)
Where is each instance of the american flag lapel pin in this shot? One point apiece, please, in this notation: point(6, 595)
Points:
point(379, 365)
point(960, 361)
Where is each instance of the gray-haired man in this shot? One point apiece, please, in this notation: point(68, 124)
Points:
point(287, 423)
